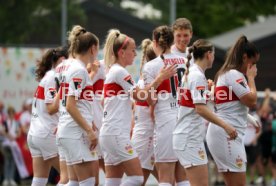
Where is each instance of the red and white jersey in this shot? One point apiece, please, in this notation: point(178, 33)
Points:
point(42, 123)
point(167, 92)
point(75, 82)
point(175, 50)
point(98, 83)
point(230, 87)
point(190, 124)
point(117, 102)
point(143, 120)
point(59, 71)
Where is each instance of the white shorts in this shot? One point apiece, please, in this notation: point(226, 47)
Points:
point(143, 144)
point(98, 147)
point(77, 150)
point(229, 155)
point(192, 156)
point(42, 147)
point(60, 151)
point(116, 149)
point(163, 145)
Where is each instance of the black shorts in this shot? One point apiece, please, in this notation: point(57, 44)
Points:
point(252, 153)
point(273, 157)
point(266, 144)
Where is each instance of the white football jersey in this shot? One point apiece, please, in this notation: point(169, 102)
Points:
point(230, 87)
point(191, 125)
point(75, 81)
point(143, 121)
point(167, 92)
point(117, 102)
point(175, 50)
point(42, 123)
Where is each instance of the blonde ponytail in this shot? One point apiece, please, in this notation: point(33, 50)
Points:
point(147, 53)
point(109, 55)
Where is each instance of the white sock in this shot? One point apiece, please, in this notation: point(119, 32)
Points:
point(113, 181)
point(133, 181)
point(72, 183)
point(183, 183)
point(164, 184)
point(39, 181)
point(88, 182)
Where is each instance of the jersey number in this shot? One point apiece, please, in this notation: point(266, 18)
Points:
point(175, 81)
point(63, 90)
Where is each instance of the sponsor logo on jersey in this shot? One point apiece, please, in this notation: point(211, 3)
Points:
point(52, 92)
point(94, 153)
point(129, 80)
point(241, 82)
point(201, 90)
point(129, 149)
point(77, 82)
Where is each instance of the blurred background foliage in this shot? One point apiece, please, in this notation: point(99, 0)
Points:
point(21, 20)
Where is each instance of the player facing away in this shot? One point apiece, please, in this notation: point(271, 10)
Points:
point(75, 134)
point(44, 120)
point(233, 95)
point(166, 106)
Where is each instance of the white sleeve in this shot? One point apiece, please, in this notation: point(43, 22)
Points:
point(238, 83)
point(50, 89)
point(77, 83)
point(124, 79)
point(148, 75)
point(253, 121)
point(198, 88)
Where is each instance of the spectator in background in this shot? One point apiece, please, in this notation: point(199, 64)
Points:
point(251, 146)
point(2, 119)
point(273, 149)
point(25, 117)
point(265, 113)
point(11, 132)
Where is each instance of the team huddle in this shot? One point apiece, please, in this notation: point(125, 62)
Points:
point(89, 114)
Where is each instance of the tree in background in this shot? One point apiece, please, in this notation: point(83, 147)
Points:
point(22, 20)
point(212, 17)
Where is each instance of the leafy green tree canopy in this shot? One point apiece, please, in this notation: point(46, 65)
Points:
point(22, 20)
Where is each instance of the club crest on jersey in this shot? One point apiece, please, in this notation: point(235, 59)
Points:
point(241, 82)
point(129, 80)
point(201, 90)
point(239, 162)
point(129, 149)
point(94, 153)
point(52, 92)
point(201, 154)
point(77, 82)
